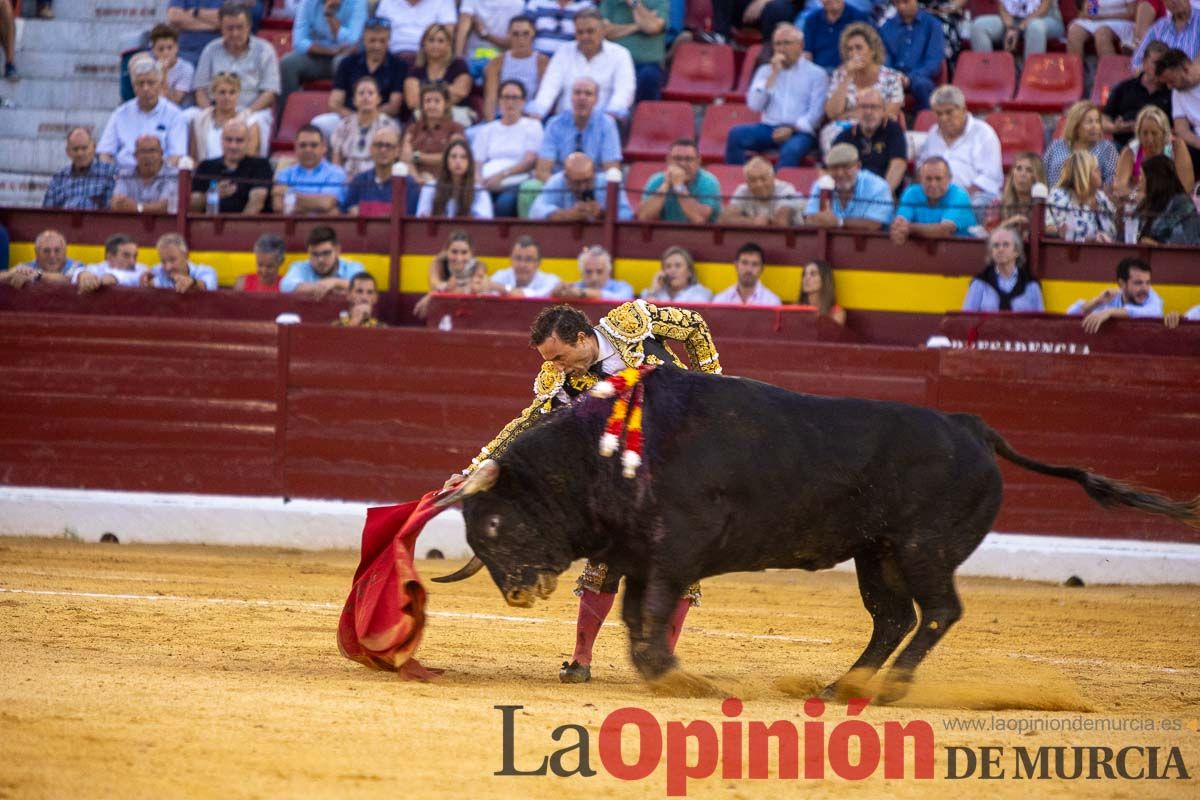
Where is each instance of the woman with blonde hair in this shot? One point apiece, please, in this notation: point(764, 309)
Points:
point(862, 67)
point(1077, 209)
point(1082, 132)
point(817, 290)
point(1152, 137)
point(1014, 205)
point(436, 63)
point(676, 281)
point(208, 124)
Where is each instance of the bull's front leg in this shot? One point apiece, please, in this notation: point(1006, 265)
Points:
point(648, 639)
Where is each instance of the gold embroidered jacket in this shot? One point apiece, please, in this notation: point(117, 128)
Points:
point(627, 327)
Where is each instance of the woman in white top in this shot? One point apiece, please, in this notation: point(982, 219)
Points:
point(207, 125)
point(862, 68)
point(455, 194)
point(506, 149)
point(1109, 22)
point(520, 62)
point(350, 145)
point(1077, 209)
point(676, 282)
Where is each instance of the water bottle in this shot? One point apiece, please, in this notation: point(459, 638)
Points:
point(212, 199)
point(289, 202)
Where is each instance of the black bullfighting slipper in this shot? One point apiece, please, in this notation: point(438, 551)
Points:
point(575, 673)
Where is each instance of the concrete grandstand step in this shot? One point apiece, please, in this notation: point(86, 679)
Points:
point(89, 65)
point(33, 156)
point(75, 36)
point(41, 93)
point(143, 11)
point(22, 190)
point(50, 123)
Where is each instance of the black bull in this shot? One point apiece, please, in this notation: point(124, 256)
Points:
point(739, 476)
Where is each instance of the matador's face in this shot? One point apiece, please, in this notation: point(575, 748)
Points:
point(574, 358)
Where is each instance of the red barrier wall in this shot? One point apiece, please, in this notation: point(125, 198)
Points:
point(318, 411)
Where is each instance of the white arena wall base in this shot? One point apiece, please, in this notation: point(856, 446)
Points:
point(146, 518)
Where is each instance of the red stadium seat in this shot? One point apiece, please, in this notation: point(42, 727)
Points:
point(300, 110)
point(924, 121)
point(714, 130)
point(979, 8)
point(280, 39)
point(745, 75)
point(1049, 83)
point(800, 177)
point(655, 125)
point(730, 176)
point(273, 23)
point(986, 79)
point(318, 85)
point(1069, 9)
point(1111, 70)
point(1017, 130)
point(700, 73)
point(639, 175)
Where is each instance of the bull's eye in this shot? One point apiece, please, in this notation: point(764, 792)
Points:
point(492, 529)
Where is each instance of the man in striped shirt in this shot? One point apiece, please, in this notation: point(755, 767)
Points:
point(1179, 29)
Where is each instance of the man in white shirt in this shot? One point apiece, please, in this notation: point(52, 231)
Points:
point(119, 267)
point(589, 56)
point(969, 145)
point(1183, 77)
point(749, 291)
point(410, 18)
point(147, 113)
point(525, 278)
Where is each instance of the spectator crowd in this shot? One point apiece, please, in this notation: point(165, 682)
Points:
point(512, 108)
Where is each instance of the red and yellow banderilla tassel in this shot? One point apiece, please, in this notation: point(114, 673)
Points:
point(625, 417)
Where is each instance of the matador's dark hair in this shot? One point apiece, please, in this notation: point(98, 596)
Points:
point(563, 321)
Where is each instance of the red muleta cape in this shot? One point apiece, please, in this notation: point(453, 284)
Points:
point(384, 616)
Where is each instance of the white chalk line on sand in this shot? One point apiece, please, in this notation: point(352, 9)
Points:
point(312, 604)
point(236, 601)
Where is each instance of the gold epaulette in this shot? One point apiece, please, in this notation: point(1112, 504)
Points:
point(685, 325)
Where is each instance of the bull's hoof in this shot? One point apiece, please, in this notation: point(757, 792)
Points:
point(853, 684)
point(575, 672)
point(895, 688)
point(677, 683)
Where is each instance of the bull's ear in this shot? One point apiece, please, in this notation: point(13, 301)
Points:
point(482, 479)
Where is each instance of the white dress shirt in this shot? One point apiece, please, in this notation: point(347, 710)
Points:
point(611, 68)
point(974, 158)
point(761, 296)
point(797, 99)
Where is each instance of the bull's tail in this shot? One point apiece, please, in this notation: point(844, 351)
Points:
point(1105, 491)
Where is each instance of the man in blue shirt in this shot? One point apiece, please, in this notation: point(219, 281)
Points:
point(175, 271)
point(823, 33)
point(596, 267)
point(577, 193)
point(915, 47)
point(323, 32)
point(860, 200)
point(582, 129)
point(325, 270)
point(684, 192)
point(318, 186)
point(790, 93)
point(934, 208)
point(87, 183)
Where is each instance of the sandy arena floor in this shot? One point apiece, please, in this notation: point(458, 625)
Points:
point(156, 671)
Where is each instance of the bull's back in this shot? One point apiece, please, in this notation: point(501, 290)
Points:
point(777, 476)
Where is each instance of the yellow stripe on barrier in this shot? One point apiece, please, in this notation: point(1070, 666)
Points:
point(863, 289)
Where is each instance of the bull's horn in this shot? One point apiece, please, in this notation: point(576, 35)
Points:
point(471, 567)
point(482, 479)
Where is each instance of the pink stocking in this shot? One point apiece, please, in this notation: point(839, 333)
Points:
point(593, 608)
point(677, 618)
